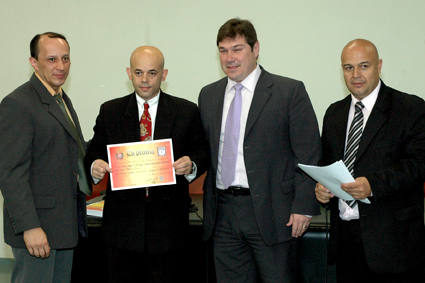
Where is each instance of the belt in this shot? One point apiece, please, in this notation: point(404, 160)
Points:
point(237, 191)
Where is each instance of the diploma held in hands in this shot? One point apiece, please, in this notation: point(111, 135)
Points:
point(141, 164)
point(332, 177)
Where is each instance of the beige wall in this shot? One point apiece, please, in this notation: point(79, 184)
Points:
point(299, 39)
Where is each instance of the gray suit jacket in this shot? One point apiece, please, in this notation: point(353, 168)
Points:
point(38, 168)
point(281, 132)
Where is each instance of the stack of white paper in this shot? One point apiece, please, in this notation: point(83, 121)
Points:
point(332, 176)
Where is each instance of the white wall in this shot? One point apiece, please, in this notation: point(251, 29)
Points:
point(300, 39)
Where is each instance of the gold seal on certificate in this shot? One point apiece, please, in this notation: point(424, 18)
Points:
point(141, 164)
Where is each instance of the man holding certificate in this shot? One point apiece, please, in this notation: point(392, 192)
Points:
point(145, 228)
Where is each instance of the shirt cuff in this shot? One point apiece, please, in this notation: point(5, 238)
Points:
point(192, 175)
point(95, 181)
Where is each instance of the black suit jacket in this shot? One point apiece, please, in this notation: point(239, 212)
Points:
point(281, 131)
point(39, 166)
point(127, 218)
point(391, 156)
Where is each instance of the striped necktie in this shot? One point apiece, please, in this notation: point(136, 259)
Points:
point(353, 141)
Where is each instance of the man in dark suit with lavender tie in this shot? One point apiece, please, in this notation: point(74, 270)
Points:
point(257, 203)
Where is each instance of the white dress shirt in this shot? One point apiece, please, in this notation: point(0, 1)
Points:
point(346, 212)
point(249, 83)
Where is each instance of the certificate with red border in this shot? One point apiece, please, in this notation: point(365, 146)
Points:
point(141, 164)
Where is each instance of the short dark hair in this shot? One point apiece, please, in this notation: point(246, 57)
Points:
point(234, 27)
point(34, 49)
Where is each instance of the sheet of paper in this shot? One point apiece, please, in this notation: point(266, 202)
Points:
point(141, 164)
point(332, 176)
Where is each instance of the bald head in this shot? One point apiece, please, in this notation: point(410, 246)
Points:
point(361, 66)
point(364, 44)
point(147, 51)
point(147, 71)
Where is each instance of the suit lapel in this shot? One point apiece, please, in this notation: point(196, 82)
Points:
point(164, 118)
point(52, 105)
point(262, 93)
point(130, 124)
point(73, 114)
point(341, 120)
point(376, 119)
point(217, 112)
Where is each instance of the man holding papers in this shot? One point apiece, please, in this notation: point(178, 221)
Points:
point(146, 228)
point(379, 133)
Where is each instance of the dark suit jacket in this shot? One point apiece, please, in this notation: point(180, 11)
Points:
point(281, 131)
point(39, 166)
point(391, 156)
point(127, 219)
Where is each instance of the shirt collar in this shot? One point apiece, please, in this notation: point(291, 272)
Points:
point(151, 101)
point(249, 82)
point(368, 101)
point(48, 87)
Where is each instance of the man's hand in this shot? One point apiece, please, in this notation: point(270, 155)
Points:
point(183, 166)
point(36, 242)
point(299, 224)
point(359, 189)
point(99, 169)
point(322, 193)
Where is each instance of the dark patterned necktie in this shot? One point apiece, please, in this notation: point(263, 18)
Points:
point(353, 141)
point(82, 178)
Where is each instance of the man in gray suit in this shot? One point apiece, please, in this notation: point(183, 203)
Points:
point(256, 201)
point(41, 177)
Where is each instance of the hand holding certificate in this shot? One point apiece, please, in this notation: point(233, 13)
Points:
point(332, 177)
point(141, 164)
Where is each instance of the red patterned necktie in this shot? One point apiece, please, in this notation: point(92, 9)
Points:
point(146, 124)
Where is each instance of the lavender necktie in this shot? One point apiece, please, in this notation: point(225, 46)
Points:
point(231, 138)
